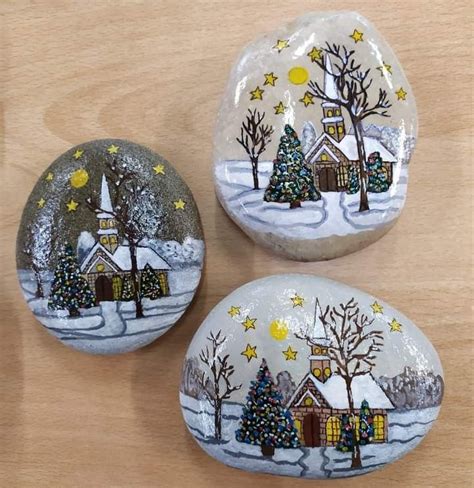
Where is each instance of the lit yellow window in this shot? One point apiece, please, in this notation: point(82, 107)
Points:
point(163, 283)
point(100, 267)
point(324, 157)
point(308, 401)
point(317, 372)
point(331, 129)
point(297, 424)
point(339, 129)
point(327, 372)
point(338, 111)
point(317, 350)
point(379, 427)
point(113, 239)
point(329, 113)
point(333, 429)
point(104, 240)
point(103, 224)
point(111, 223)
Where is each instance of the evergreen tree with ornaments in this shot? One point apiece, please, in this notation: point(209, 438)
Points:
point(347, 439)
point(150, 284)
point(353, 181)
point(378, 177)
point(366, 427)
point(265, 421)
point(70, 290)
point(127, 289)
point(292, 180)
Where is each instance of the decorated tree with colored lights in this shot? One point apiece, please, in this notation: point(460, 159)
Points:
point(366, 424)
point(150, 284)
point(127, 289)
point(292, 180)
point(265, 421)
point(347, 439)
point(378, 177)
point(353, 185)
point(70, 290)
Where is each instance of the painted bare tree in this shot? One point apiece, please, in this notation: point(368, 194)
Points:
point(353, 85)
point(135, 211)
point(254, 138)
point(353, 347)
point(220, 372)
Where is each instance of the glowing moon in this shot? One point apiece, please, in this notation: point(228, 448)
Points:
point(279, 330)
point(79, 178)
point(298, 75)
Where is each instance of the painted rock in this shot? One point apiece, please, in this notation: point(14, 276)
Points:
point(314, 136)
point(302, 376)
point(110, 247)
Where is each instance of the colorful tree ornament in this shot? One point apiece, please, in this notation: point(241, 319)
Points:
point(366, 427)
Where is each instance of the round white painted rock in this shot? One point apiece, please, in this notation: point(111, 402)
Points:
point(314, 136)
point(302, 376)
point(110, 247)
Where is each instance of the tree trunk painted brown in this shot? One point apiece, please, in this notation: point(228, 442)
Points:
point(39, 288)
point(356, 458)
point(136, 285)
point(295, 204)
point(267, 450)
point(74, 312)
point(358, 133)
point(255, 173)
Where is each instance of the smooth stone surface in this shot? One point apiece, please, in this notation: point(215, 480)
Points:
point(286, 389)
point(299, 192)
point(106, 218)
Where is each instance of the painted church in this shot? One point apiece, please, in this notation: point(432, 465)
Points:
point(320, 400)
point(107, 265)
point(335, 151)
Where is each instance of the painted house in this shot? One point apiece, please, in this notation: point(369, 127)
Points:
point(108, 263)
point(320, 400)
point(335, 151)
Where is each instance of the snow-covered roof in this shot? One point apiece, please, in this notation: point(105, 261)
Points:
point(105, 201)
point(348, 146)
point(326, 149)
point(335, 119)
point(121, 258)
point(334, 391)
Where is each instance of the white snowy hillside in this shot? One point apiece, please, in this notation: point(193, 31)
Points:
point(337, 213)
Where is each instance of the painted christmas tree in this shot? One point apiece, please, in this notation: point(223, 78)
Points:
point(366, 427)
point(346, 441)
point(353, 181)
point(378, 178)
point(127, 289)
point(70, 290)
point(292, 181)
point(265, 421)
point(150, 284)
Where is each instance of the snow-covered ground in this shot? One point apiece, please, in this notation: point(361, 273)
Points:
point(405, 431)
point(112, 326)
point(335, 214)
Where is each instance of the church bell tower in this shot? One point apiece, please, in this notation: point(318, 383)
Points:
point(320, 363)
point(333, 121)
point(108, 233)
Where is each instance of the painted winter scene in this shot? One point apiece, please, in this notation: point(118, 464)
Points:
point(315, 132)
point(110, 247)
point(301, 376)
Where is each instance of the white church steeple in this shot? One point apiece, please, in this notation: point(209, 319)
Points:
point(332, 120)
point(108, 233)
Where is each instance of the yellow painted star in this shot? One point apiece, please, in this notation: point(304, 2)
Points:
point(385, 68)
point(279, 109)
point(290, 354)
point(357, 36)
point(233, 311)
point(179, 204)
point(41, 202)
point(249, 323)
point(395, 326)
point(307, 99)
point(49, 177)
point(78, 153)
point(281, 44)
point(257, 94)
point(113, 149)
point(270, 78)
point(72, 205)
point(297, 301)
point(250, 352)
point(315, 54)
point(159, 169)
point(401, 94)
point(376, 307)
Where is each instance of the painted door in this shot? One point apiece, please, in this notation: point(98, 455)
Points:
point(103, 290)
point(327, 179)
point(311, 430)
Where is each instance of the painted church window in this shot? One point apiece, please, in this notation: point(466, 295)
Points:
point(338, 111)
point(297, 424)
point(113, 239)
point(104, 240)
point(163, 283)
point(100, 267)
point(331, 130)
point(324, 157)
point(308, 401)
point(379, 427)
point(103, 224)
point(317, 351)
point(329, 113)
point(333, 429)
point(111, 223)
point(339, 129)
point(117, 287)
point(317, 372)
point(327, 372)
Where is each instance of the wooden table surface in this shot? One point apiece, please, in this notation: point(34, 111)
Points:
point(154, 72)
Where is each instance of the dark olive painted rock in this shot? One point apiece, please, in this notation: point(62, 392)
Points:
point(110, 247)
point(302, 376)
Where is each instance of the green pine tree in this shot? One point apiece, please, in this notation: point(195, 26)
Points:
point(378, 177)
point(127, 289)
point(292, 180)
point(347, 439)
point(150, 283)
point(366, 424)
point(265, 421)
point(353, 181)
point(70, 290)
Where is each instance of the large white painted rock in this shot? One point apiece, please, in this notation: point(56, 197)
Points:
point(314, 136)
point(110, 247)
point(303, 376)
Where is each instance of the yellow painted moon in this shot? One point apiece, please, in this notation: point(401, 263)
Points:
point(298, 75)
point(279, 330)
point(79, 178)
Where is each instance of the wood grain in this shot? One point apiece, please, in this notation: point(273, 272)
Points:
point(154, 72)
